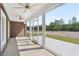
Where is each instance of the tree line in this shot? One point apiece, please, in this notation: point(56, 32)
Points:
point(60, 25)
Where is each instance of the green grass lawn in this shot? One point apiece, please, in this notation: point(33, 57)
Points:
point(66, 39)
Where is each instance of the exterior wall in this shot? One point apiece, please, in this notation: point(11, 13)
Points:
point(17, 29)
point(0, 29)
point(3, 28)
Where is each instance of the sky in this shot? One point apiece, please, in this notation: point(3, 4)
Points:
point(66, 11)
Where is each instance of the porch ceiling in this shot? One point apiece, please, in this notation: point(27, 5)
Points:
point(34, 10)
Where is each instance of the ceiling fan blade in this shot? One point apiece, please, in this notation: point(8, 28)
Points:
point(24, 11)
point(31, 11)
point(21, 4)
point(27, 4)
point(18, 7)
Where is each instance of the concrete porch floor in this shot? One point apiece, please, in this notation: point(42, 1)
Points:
point(11, 48)
point(24, 47)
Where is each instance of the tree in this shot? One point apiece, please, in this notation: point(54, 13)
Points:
point(75, 24)
point(74, 20)
point(70, 21)
point(51, 25)
point(59, 25)
point(61, 21)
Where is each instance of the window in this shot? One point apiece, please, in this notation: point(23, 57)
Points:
point(3, 29)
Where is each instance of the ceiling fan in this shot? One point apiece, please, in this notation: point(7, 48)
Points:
point(26, 6)
point(19, 17)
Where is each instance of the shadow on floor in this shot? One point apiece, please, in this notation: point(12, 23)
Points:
point(28, 48)
point(31, 49)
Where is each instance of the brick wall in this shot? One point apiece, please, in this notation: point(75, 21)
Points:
point(16, 29)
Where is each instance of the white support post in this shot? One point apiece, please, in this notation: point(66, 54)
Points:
point(30, 31)
point(38, 28)
point(33, 29)
point(43, 30)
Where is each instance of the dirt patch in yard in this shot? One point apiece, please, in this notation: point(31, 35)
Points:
point(64, 33)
